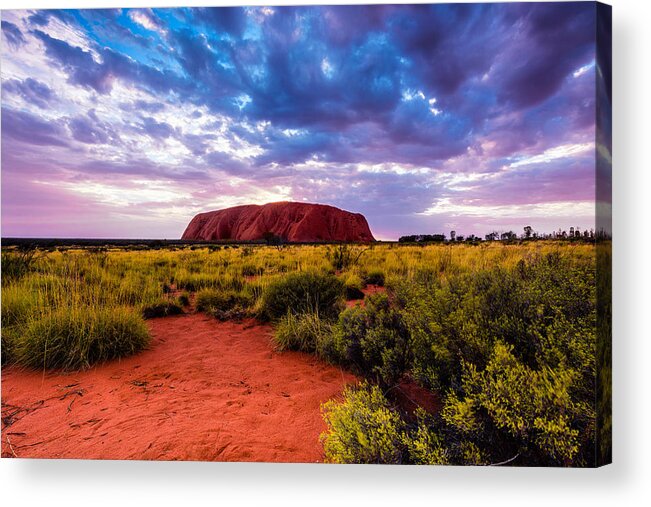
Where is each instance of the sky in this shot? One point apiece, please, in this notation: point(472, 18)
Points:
point(125, 123)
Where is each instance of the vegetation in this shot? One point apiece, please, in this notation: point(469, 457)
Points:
point(224, 304)
point(504, 332)
point(306, 292)
point(75, 338)
point(510, 345)
point(305, 332)
point(364, 429)
point(373, 340)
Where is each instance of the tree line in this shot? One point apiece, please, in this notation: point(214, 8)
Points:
point(574, 233)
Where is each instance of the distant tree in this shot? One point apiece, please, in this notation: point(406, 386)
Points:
point(453, 235)
point(492, 236)
point(422, 238)
point(527, 231)
point(272, 239)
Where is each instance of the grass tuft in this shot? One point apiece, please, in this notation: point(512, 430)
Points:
point(76, 338)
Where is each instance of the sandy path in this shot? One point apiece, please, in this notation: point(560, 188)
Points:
point(206, 390)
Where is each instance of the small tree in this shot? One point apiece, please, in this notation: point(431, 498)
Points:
point(272, 239)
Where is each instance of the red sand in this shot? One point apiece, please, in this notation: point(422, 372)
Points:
point(206, 390)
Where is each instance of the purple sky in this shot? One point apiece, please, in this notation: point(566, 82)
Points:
point(473, 117)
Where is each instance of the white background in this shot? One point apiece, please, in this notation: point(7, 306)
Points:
point(626, 482)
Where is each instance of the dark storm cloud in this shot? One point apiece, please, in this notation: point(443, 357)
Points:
point(556, 39)
point(448, 44)
point(230, 20)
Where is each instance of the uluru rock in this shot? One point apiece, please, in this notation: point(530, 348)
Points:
point(291, 221)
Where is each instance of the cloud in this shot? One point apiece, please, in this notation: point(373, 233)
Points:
point(389, 110)
point(552, 41)
point(32, 91)
point(13, 34)
point(27, 128)
point(84, 70)
point(90, 129)
point(147, 19)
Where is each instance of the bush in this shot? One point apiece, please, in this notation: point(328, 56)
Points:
point(362, 428)
point(305, 332)
point(303, 292)
point(18, 263)
point(514, 350)
point(76, 338)
point(374, 277)
point(353, 286)
point(162, 308)
point(527, 406)
point(340, 256)
point(223, 300)
point(424, 443)
point(374, 340)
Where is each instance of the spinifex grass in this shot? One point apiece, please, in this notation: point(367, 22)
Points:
point(75, 338)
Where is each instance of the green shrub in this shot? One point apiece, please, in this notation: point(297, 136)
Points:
point(162, 308)
point(353, 286)
point(340, 256)
point(529, 406)
point(303, 292)
point(374, 277)
point(17, 263)
point(305, 332)
point(374, 340)
point(362, 428)
point(76, 338)
point(425, 444)
point(222, 300)
point(514, 350)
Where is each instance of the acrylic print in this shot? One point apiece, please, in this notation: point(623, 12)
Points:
point(334, 234)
